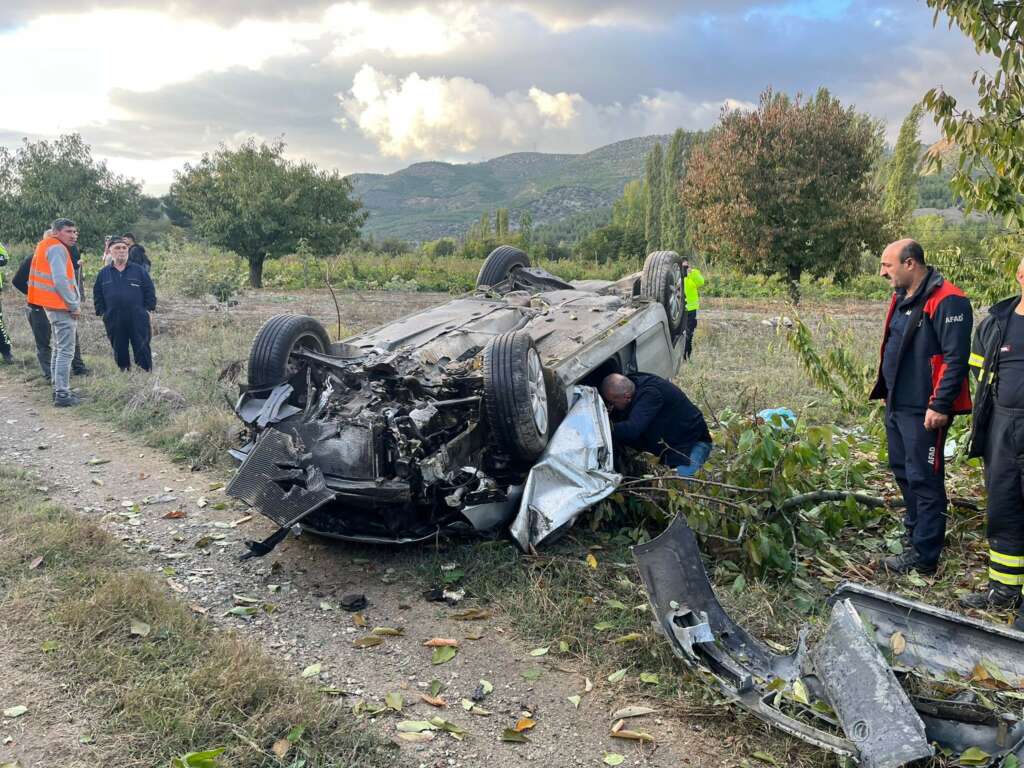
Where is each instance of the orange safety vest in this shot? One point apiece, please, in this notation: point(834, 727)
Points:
point(41, 290)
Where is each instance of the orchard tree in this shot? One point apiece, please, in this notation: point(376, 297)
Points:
point(44, 180)
point(901, 194)
point(253, 201)
point(786, 189)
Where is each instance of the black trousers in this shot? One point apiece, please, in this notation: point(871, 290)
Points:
point(40, 326)
point(691, 328)
point(129, 327)
point(917, 463)
point(1004, 481)
point(5, 337)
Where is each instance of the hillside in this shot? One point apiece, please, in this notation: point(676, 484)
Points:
point(430, 200)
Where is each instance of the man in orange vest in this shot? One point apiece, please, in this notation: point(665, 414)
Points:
point(53, 286)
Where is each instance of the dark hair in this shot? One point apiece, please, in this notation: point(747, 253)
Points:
point(128, 235)
point(59, 224)
point(912, 251)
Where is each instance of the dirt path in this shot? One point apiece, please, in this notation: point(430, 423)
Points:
point(112, 478)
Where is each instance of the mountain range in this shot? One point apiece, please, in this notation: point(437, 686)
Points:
point(434, 199)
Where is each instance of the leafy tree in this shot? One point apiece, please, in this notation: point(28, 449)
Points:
point(610, 243)
point(630, 210)
point(172, 207)
point(260, 205)
point(654, 184)
point(43, 180)
point(501, 223)
point(901, 190)
point(990, 168)
point(787, 188)
point(525, 228)
point(673, 218)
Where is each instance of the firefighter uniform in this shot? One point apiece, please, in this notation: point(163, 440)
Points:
point(997, 435)
point(124, 299)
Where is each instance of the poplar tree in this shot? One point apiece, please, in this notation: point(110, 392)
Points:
point(901, 190)
point(655, 183)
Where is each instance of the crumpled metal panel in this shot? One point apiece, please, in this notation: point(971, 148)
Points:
point(575, 471)
point(874, 710)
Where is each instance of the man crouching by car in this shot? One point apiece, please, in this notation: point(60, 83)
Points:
point(652, 414)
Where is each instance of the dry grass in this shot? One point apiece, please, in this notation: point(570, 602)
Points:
point(182, 687)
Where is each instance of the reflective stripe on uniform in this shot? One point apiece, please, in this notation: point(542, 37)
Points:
point(1013, 579)
point(976, 360)
point(1013, 561)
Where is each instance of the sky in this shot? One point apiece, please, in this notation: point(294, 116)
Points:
point(373, 86)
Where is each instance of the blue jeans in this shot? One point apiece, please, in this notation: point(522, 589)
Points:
point(64, 328)
point(698, 455)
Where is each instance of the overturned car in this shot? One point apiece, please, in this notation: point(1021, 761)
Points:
point(433, 422)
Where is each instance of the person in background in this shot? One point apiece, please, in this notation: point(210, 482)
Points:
point(691, 283)
point(136, 253)
point(5, 338)
point(652, 414)
point(922, 377)
point(106, 249)
point(52, 286)
point(123, 296)
point(997, 435)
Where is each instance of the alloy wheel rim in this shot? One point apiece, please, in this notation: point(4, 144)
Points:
point(538, 393)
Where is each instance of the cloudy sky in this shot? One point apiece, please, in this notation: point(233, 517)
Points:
point(376, 85)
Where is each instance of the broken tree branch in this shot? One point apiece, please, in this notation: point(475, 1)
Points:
point(814, 497)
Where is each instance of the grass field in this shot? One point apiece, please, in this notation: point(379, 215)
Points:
point(741, 364)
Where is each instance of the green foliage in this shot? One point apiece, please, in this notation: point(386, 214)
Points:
point(258, 204)
point(654, 188)
point(901, 193)
point(196, 271)
point(44, 180)
point(990, 168)
point(612, 244)
point(787, 188)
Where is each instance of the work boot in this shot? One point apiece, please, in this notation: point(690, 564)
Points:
point(81, 370)
point(995, 596)
point(66, 399)
point(898, 565)
point(1018, 623)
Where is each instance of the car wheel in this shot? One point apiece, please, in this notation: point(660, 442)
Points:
point(515, 395)
point(269, 357)
point(662, 280)
point(499, 265)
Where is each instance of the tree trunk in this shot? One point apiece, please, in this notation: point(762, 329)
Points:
point(793, 284)
point(256, 271)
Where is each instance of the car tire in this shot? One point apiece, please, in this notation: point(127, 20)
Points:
point(499, 265)
point(515, 395)
point(662, 280)
point(274, 343)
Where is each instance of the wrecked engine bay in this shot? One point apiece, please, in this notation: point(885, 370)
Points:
point(891, 681)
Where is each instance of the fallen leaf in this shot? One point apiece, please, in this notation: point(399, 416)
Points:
point(575, 700)
point(916, 580)
point(35, 563)
point(473, 614)
point(367, 642)
point(417, 737)
point(358, 619)
point(15, 711)
point(47, 646)
point(602, 626)
point(764, 757)
point(632, 637)
point(394, 701)
point(650, 678)
point(139, 628)
point(524, 724)
point(588, 685)
point(415, 726)
point(280, 748)
point(476, 634)
point(174, 514)
point(443, 654)
point(449, 727)
point(591, 561)
point(312, 670)
point(434, 701)
point(613, 758)
point(486, 687)
point(632, 712)
point(473, 709)
point(387, 631)
point(244, 611)
point(240, 521)
point(244, 600)
point(617, 677)
point(514, 736)
point(622, 733)
point(325, 606)
point(532, 674)
point(441, 642)
point(563, 647)
point(539, 652)
point(800, 692)
point(897, 643)
point(436, 686)
point(618, 604)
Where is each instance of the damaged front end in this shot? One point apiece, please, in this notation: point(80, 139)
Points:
point(888, 682)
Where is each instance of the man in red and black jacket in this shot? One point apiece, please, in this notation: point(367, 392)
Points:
point(923, 379)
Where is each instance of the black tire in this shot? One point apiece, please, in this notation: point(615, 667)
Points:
point(662, 280)
point(513, 395)
point(499, 265)
point(274, 343)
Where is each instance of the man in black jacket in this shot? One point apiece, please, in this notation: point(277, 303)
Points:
point(922, 377)
point(124, 296)
point(997, 435)
point(136, 253)
point(652, 414)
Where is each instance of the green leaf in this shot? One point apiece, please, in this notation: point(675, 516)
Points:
point(513, 736)
point(16, 711)
point(974, 756)
point(739, 584)
point(394, 701)
point(296, 733)
point(764, 757)
point(312, 670)
point(575, 700)
point(604, 625)
point(616, 604)
point(563, 647)
point(443, 654)
point(138, 628)
point(539, 651)
point(613, 758)
point(47, 646)
point(486, 686)
point(415, 726)
point(532, 674)
point(436, 686)
point(617, 677)
point(650, 678)
point(207, 759)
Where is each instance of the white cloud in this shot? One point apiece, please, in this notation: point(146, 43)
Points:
point(439, 117)
point(59, 71)
point(419, 31)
